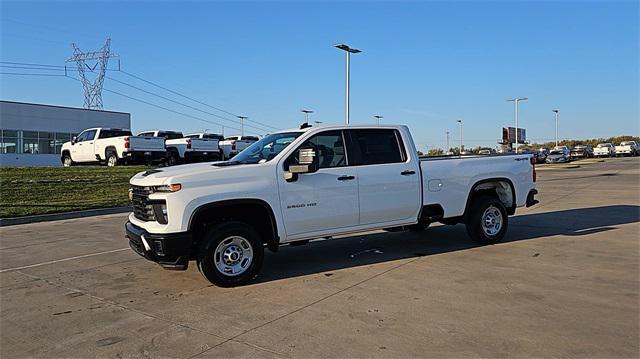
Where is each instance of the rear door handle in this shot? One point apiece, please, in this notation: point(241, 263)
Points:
point(346, 178)
point(408, 173)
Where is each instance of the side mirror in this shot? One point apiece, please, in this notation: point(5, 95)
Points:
point(74, 139)
point(307, 163)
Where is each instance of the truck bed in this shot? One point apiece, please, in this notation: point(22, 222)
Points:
point(448, 180)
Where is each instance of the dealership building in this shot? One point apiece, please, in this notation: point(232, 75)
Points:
point(32, 134)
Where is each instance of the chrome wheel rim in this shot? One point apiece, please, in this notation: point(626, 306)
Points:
point(67, 162)
point(491, 221)
point(112, 161)
point(233, 256)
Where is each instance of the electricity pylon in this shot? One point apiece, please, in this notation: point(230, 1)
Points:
point(92, 89)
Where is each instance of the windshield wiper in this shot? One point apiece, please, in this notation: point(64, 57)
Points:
point(232, 163)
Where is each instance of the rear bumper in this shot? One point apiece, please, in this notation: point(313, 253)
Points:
point(143, 156)
point(531, 200)
point(171, 251)
point(202, 156)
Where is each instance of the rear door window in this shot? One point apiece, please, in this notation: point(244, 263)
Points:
point(376, 146)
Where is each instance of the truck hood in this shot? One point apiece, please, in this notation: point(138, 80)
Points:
point(189, 173)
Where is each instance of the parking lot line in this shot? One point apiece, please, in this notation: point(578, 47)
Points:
point(62, 260)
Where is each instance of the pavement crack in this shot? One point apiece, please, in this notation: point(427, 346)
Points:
point(306, 306)
point(146, 314)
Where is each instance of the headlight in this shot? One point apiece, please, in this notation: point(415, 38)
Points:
point(168, 188)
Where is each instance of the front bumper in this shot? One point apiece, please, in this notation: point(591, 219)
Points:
point(531, 201)
point(143, 156)
point(171, 251)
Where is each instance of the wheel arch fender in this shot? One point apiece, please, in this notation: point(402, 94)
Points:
point(244, 210)
point(108, 149)
point(502, 186)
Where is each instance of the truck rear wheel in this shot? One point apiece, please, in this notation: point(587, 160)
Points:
point(230, 254)
point(172, 158)
point(112, 159)
point(487, 221)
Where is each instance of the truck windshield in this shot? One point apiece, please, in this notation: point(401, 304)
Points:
point(267, 148)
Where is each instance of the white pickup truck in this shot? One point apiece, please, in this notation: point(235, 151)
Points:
point(604, 150)
point(233, 145)
point(193, 147)
point(627, 148)
point(112, 146)
point(318, 182)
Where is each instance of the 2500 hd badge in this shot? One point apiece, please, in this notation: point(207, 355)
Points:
point(301, 205)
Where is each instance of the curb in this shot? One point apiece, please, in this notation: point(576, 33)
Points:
point(65, 215)
point(552, 167)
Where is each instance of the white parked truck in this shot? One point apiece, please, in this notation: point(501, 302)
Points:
point(112, 146)
point(318, 182)
point(627, 148)
point(604, 150)
point(233, 145)
point(194, 147)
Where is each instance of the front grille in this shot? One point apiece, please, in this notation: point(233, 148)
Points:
point(142, 209)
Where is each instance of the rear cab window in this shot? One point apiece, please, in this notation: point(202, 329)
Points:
point(375, 146)
point(113, 133)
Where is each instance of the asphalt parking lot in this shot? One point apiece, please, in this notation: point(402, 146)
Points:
point(565, 283)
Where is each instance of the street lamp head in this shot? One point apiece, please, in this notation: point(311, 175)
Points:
point(556, 110)
point(459, 121)
point(347, 48)
point(306, 111)
point(242, 117)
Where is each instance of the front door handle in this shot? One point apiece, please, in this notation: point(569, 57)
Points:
point(346, 178)
point(408, 173)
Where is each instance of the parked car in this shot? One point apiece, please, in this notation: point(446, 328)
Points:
point(541, 155)
point(233, 145)
point(582, 151)
point(113, 146)
point(627, 148)
point(486, 151)
point(559, 155)
point(297, 185)
point(195, 147)
point(604, 150)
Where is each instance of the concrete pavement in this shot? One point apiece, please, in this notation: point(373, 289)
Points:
point(564, 283)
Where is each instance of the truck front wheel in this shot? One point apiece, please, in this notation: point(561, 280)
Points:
point(66, 161)
point(230, 254)
point(487, 221)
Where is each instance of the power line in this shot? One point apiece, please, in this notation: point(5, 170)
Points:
point(64, 68)
point(162, 107)
point(30, 74)
point(182, 104)
point(190, 98)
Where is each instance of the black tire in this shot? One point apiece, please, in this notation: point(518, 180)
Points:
point(172, 158)
point(67, 161)
point(112, 159)
point(215, 237)
point(475, 220)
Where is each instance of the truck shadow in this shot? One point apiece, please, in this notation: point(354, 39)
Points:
point(329, 255)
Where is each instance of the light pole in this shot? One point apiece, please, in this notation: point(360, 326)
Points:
point(242, 118)
point(556, 111)
point(306, 115)
point(460, 122)
point(447, 149)
point(516, 100)
point(378, 117)
point(348, 50)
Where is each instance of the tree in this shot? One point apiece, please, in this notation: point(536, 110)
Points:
point(435, 152)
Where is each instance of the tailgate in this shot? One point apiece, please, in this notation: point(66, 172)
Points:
point(204, 144)
point(139, 143)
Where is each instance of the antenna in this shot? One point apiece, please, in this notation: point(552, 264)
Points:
point(92, 89)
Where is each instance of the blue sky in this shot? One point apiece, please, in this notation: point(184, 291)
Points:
point(424, 64)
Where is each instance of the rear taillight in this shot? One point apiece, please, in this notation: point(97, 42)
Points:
point(126, 142)
point(533, 165)
point(189, 143)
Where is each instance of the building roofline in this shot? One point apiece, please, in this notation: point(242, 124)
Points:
point(67, 107)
